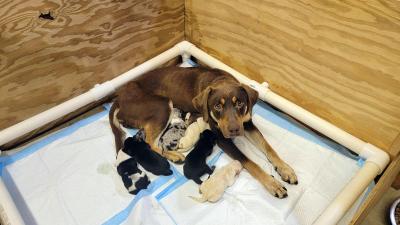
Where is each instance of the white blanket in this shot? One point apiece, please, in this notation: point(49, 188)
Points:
point(72, 179)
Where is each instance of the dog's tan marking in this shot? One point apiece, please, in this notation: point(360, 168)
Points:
point(222, 101)
point(246, 117)
point(234, 99)
point(213, 117)
point(247, 112)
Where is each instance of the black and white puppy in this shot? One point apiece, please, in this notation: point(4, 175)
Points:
point(195, 162)
point(138, 149)
point(134, 179)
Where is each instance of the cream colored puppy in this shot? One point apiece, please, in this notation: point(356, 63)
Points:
point(192, 134)
point(213, 188)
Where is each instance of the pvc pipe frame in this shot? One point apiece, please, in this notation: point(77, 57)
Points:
point(8, 211)
point(376, 159)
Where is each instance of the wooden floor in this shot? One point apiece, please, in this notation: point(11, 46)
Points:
point(380, 214)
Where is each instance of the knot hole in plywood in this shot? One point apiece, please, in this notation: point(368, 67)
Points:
point(46, 15)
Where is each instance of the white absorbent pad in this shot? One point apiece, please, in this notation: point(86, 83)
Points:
point(70, 178)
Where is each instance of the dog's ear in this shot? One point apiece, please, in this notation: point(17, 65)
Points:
point(200, 103)
point(252, 96)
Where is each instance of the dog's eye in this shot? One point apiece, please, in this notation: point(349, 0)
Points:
point(218, 107)
point(239, 104)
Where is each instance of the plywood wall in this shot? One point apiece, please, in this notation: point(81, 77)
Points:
point(338, 59)
point(44, 62)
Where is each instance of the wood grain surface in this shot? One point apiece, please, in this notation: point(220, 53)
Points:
point(377, 192)
point(338, 59)
point(45, 62)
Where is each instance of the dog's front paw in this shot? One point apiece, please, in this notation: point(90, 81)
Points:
point(287, 173)
point(174, 156)
point(275, 188)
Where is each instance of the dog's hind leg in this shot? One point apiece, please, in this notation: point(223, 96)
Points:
point(138, 109)
point(155, 126)
point(153, 131)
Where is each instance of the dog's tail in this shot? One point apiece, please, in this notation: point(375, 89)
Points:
point(198, 199)
point(119, 134)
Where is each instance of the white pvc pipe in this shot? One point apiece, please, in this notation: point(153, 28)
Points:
point(211, 61)
point(367, 151)
point(8, 211)
point(349, 194)
point(96, 93)
point(315, 122)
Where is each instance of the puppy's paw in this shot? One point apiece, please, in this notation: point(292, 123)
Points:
point(174, 156)
point(276, 188)
point(287, 173)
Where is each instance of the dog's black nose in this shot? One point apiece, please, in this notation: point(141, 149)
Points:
point(234, 129)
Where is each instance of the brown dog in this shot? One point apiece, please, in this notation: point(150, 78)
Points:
point(214, 94)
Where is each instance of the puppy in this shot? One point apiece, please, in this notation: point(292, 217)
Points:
point(195, 163)
point(174, 132)
point(138, 149)
point(134, 179)
point(213, 188)
point(192, 134)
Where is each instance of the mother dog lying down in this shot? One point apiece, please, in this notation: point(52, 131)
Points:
point(224, 103)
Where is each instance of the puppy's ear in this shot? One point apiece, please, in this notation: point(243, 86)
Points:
point(252, 96)
point(200, 103)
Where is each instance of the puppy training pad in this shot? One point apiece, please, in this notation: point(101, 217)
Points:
point(70, 178)
point(317, 166)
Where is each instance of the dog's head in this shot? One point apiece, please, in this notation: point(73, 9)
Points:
point(208, 135)
point(228, 104)
point(134, 144)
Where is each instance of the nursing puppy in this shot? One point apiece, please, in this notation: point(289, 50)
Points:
point(195, 163)
point(192, 134)
point(174, 132)
point(134, 179)
point(213, 188)
point(148, 159)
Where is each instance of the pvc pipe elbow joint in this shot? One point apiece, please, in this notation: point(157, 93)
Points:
point(375, 155)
